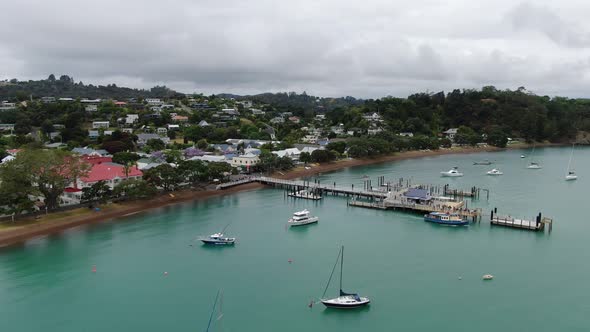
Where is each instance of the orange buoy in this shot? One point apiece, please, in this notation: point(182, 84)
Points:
point(94, 268)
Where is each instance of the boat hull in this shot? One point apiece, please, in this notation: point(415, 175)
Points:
point(447, 222)
point(451, 175)
point(571, 177)
point(337, 303)
point(495, 174)
point(307, 222)
point(218, 243)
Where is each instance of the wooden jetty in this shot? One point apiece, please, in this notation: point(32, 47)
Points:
point(321, 188)
point(533, 225)
point(305, 194)
point(417, 208)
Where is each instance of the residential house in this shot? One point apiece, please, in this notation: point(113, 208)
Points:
point(338, 130)
point(127, 130)
point(87, 101)
point(257, 111)
point(48, 100)
point(173, 127)
point(407, 134)
point(66, 99)
point(286, 114)
point(246, 160)
point(6, 106)
point(374, 131)
point(203, 123)
point(6, 126)
point(292, 153)
point(277, 120)
point(373, 118)
point(180, 118)
point(320, 117)
point(230, 111)
point(93, 134)
point(120, 103)
point(91, 108)
point(142, 139)
point(211, 159)
point(450, 134)
point(153, 101)
point(90, 152)
point(294, 119)
point(162, 131)
point(131, 119)
point(167, 107)
point(108, 172)
point(100, 124)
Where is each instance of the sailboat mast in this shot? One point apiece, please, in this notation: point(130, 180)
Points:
point(341, 266)
point(570, 162)
point(212, 311)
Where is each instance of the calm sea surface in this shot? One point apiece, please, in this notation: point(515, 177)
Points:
point(410, 269)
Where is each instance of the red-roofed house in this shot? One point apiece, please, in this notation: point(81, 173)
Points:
point(180, 118)
point(97, 159)
point(108, 172)
point(120, 103)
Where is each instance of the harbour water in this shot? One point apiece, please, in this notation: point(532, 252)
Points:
point(419, 276)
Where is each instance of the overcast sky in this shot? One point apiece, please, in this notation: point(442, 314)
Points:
point(368, 48)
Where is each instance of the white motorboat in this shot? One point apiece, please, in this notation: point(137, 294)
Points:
point(522, 156)
point(571, 175)
point(301, 218)
point(534, 165)
point(452, 173)
point(494, 172)
point(219, 239)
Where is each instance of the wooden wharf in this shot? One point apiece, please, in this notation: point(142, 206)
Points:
point(533, 225)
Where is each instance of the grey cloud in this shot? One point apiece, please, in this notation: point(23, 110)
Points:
point(326, 47)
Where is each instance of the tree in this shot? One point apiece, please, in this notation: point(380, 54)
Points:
point(164, 176)
point(337, 146)
point(305, 157)
point(466, 135)
point(202, 144)
point(219, 170)
point(497, 137)
point(194, 170)
point(173, 156)
point(134, 189)
point(322, 156)
point(98, 191)
point(155, 144)
point(15, 189)
point(51, 171)
point(127, 159)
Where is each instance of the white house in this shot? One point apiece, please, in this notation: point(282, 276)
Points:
point(247, 160)
point(277, 120)
point(162, 131)
point(131, 119)
point(6, 106)
point(91, 108)
point(407, 134)
point(292, 153)
point(153, 101)
point(450, 133)
point(257, 111)
point(100, 124)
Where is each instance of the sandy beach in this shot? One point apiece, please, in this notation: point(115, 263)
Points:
point(27, 228)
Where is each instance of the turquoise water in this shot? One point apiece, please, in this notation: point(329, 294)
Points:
point(410, 269)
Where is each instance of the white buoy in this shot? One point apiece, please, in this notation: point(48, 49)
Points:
point(460, 278)
point(488, 277)
point(165, 273)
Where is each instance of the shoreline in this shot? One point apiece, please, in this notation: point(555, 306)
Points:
point(29, 228)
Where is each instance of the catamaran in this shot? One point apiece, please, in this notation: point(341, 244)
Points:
point(451, 173)
point(571, 175)
point(345, 300)
point(219, 238)
point(533, 165)
point(301, 218)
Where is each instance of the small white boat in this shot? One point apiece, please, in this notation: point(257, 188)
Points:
point(451, 173)
point(301, 218)
point(534, 165)
point(219, 239)
point(522, 156)
point(494, 172)
point(487, 277)
point(571, 175)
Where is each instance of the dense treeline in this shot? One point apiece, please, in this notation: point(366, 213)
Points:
point(65, 86)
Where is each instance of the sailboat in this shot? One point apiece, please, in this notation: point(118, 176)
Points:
point(345, 300)
point(533, 165)
point(218, 298)
point(571, 175)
